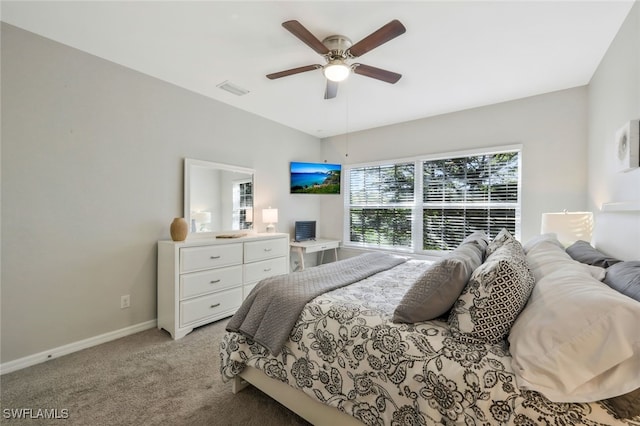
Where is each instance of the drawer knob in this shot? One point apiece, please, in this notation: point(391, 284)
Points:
point(215, 257)
point(214, 281)
point(215, 306)
point(267, 249)
point(267, 269)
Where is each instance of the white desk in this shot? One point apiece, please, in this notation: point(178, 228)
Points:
point(313, 246)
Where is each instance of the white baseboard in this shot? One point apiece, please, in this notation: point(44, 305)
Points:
point(38, 358)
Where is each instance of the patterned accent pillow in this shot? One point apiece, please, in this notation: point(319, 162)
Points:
point(504, 236)
point(626, 406)
point(496, 293)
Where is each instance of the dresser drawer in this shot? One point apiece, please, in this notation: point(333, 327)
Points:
point(197, 283)
point(205, 257)
point(211, 305)
point(267, 249)
point(264, 269)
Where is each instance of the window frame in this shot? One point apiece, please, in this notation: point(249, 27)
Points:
point(418, 204)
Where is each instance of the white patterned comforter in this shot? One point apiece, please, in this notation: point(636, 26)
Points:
point(345, 352)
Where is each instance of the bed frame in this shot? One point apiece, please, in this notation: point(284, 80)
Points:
point(297, 401)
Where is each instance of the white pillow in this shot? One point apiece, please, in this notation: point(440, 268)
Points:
point(550, 237)
point(577, 340)
point(549, 255)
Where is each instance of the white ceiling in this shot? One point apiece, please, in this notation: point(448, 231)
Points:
point(455, 54)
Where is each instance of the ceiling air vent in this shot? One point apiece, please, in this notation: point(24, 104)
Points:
point(232, 88)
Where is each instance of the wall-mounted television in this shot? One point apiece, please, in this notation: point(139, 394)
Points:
point(315, 178)
point(305, 230)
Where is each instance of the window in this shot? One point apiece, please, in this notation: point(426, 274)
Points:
point(469, 193)
point(381, 203)
point(432, 204)
point(242, 204)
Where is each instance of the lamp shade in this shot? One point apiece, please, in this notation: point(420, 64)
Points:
point(202, 217)
point(270, 215)
point(568, 226)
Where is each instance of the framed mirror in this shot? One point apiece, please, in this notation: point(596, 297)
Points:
point(217, 197)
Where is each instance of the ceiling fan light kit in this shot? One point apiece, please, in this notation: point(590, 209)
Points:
point(336, 70)
point(338, 49)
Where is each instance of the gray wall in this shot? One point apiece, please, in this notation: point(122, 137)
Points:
point(552, 129)
point(614, 99)
point(92, 169)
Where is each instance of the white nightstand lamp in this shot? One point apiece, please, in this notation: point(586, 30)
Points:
point(568, 226)
point(270, 216)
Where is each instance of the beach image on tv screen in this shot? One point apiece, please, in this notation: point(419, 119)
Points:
point(315, 178)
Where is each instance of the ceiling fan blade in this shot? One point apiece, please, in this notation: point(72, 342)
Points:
point(292, 71)
point(387, 32)
point(377, 73)
point(296, 28)
point(332, 89)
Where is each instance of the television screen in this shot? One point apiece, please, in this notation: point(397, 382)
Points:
point(315, 178)
point(305, 230)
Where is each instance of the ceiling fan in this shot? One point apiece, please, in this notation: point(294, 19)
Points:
point(338, 49)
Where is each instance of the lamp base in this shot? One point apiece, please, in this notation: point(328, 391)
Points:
point(271, 227)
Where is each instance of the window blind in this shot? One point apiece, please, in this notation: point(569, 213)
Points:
point(470, 193)
point(458, 196)
point(381, 200)
point(382, 185)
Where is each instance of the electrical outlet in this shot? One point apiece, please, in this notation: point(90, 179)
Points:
point(125, 301)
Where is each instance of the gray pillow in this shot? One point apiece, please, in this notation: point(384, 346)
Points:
point(625, 278)
point(436, 289)
point(496, 293)
point(478, 237)
point(583, 252)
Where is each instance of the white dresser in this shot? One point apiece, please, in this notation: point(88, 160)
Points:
point(206, 279)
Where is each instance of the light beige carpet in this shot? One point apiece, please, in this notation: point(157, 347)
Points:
point(142, 379)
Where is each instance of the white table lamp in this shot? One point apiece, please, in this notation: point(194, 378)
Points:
point(270, 216)
point(568, 226)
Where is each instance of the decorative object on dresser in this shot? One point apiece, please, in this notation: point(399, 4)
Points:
point(179, 229)
point(206, 279)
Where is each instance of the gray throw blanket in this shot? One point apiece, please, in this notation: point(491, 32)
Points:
point(269, 313)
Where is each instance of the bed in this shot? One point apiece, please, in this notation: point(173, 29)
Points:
point(493, 350)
